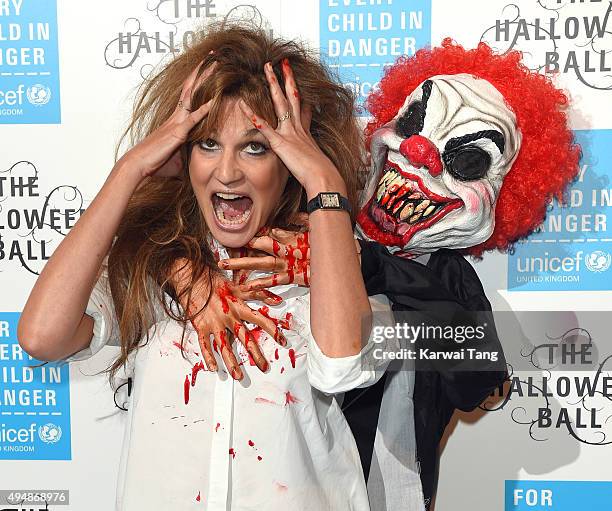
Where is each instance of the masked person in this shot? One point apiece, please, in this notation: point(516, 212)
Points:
point(468, 148)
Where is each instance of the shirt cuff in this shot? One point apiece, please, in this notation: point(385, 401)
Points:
point(100, 307)
point(334, 375)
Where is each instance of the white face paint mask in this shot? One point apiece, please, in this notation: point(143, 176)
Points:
point(438, 166)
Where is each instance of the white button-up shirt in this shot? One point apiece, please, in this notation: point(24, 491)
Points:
point(200, 440)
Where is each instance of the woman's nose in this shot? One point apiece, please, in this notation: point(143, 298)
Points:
point(228, 170)
point(422, 152)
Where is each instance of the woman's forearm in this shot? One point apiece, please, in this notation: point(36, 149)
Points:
point(48, 328)
point(339, 305)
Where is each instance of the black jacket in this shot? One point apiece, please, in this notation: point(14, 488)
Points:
point(443, 288)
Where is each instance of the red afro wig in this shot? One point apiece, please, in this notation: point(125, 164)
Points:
point(548, 158)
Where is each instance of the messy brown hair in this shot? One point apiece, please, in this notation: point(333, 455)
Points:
point(163, 222)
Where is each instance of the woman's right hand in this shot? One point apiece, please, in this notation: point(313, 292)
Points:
point(159, 153)
point(52, 325)
point(223, 316)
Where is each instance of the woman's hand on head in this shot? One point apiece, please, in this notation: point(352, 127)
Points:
point(291, 140)
point(159, 153)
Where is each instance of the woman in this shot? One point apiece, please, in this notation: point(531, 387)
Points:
point(257, 130)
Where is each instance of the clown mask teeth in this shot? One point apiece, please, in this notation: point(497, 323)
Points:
point(406, 211)
point(397, 205)
point(414, 218)
point(398, 197)
point(429, 210)
point(422, 205)
point(402, 205)
point(389, 176)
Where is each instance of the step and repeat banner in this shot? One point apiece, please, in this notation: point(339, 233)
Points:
point(68, 74)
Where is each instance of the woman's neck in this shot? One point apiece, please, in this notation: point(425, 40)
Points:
point(235, 252)
point(231, 252)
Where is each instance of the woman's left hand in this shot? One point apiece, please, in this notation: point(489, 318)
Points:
point(288, 257)
point(291, 140)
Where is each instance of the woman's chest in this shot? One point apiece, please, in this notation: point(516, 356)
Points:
point(267, 431)
point(171, 378)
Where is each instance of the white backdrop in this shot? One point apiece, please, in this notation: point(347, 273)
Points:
point(62, 130)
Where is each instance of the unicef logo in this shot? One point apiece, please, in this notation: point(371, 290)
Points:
point(38, 94)
point(50, 433)
point(598, 261)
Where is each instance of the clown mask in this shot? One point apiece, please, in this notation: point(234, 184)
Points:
point(438, 166)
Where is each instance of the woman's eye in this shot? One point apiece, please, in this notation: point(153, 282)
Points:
point(255, 148)
point(209, 144)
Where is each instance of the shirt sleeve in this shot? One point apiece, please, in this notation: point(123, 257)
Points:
point(333, 375)
point(101, 308)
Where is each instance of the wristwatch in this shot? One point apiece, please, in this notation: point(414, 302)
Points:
point(328, 200)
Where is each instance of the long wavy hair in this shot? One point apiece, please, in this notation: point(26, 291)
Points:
point(163, 222)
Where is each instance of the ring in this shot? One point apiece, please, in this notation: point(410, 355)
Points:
point(180, 103)
point(284, 117)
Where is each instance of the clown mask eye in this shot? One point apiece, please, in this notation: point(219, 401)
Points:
point(411, 122)
point(467, 163)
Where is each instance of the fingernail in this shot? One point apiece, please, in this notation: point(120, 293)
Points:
point(266, 366)
point(286, 64)
point(244, 107)
point(279, 337)
point(270, 71)
point(223, 264)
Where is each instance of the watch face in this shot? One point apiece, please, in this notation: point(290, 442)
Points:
point(330, 200)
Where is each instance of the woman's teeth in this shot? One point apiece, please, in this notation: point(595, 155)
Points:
point(232, 209)
point(234, 220)
point(229, 196)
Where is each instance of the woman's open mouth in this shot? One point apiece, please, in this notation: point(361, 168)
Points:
point(232, 211)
